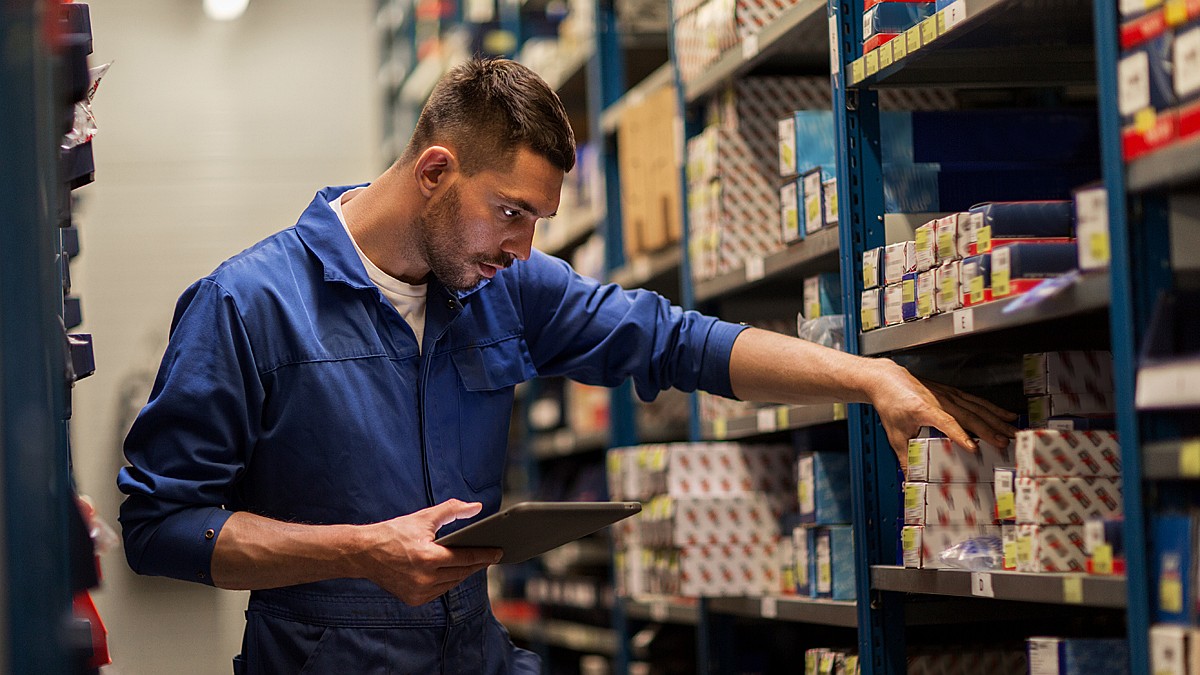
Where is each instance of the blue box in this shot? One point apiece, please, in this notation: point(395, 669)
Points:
point(909, 308)
point(1174, 569)
point(1053, 218)
point(814, 141)
point(835, 563)
point(1077, 656)
point(973, 137)
point(823, 483)
point(822, 295)
point(894, 17)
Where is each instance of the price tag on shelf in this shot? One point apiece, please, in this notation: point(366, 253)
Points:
point(858, 71)
point(755, 269)
point(929, 30)
point(782, 417)
point(1189, 460)
point(872, 62)
point(1073, 590)
point(750, 47)
point(766, 421)
point(981, 585)
point(899, 48)
point(964, 321)
point(658, 611)
point(912, 39)
point(839, 412)
point(770, 607)
point(720, 428)
point(955, 13)
point(885, 54)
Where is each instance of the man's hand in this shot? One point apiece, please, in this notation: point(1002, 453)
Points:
point(905, 404)
point(404, 560)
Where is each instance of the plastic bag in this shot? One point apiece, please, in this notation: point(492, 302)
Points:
point(84, 128)
point(828, 331)
point(978, 554)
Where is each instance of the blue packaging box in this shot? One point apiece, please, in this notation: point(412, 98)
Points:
point(894, 17)
point(909, 308)
point(835, 563)
point(1053, 218)
point(1012, 136)
point(1077, 656)
point(822, 295)
point(814, 141)
point(804, 544)
point(823, 483)
point(923, 188)
point(1174, 568)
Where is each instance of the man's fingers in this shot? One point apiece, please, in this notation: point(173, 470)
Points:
point(450, 511)
point(947, 424)
point(474, 556)
point(994, 428)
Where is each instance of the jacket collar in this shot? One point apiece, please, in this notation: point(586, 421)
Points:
point(321, 232)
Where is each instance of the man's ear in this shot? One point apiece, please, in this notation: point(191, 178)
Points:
point(434, 169)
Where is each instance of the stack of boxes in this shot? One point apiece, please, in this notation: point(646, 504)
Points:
point(958, 660)
point(651, 204)
point(808, 196)
point(1078, 656)
point(1158, 74)
point(885, 20)
point(822, 545)
point(710, 525)
point(706, 29)
point(1069, 390)
point(948, 497)
point(824, 661)
point(733, 196)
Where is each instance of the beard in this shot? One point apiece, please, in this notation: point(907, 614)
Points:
point(445, 252)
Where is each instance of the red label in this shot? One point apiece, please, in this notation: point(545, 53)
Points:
point(1165, 130)
point(1143, 29)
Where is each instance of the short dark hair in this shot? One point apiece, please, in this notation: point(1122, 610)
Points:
point(486, 109)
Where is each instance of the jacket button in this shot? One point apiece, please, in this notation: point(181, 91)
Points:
point(451, 304)
point(200, 575)
point(209, 534)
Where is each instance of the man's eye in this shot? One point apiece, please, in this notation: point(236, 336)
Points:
point(510, 213)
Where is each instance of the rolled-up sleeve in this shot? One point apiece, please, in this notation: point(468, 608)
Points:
point(602, 334)
point(191, 441)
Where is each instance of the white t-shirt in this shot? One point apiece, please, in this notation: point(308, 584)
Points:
point(408, 299)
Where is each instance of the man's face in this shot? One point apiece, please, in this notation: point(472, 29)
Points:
point(480, 224)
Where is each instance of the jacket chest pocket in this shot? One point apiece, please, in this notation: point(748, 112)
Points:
point(488, 375)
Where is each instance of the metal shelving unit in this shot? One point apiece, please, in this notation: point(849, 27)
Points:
point(817, 253)
point(656, 271)
point(1176, 459)
point(666, 609)
point(1174, 166)
point(1064, 589)
point(790, 609)
point(773, 419)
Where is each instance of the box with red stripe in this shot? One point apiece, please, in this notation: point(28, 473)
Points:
point(1053, 452)
point(1051, 548)
point(949, 504)
point(1055, 500)
point(1067, 372)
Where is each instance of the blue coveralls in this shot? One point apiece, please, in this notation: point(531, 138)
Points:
point(291, 388)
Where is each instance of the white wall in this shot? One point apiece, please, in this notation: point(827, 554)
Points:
point(211, 137)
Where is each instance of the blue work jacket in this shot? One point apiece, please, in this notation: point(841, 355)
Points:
point(291, 388)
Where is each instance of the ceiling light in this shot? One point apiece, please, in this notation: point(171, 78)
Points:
point(225, 10)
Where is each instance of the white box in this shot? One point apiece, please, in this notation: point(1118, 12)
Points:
point(871, 315)
point(749, 519)
point(939, 460)
point(789, 213)
point(949, 504)
point(727, 570)
point(1169, 650)
point(1068, 372)
point(872, 268)
point(921, 544)
point(831, 202)
point(1091, 228)
point(946, 238)
point(1005, 482)
point(787, 146)
point(730, 469)
point(1051, 548)
point(925, 246)
point(968, 224)
point(949, 286)
point(926, 294)
point(1052, 452)
point(899, 259)
point(1041, 408)
point(814, 198)
point(893, 304)
point(1072, 500)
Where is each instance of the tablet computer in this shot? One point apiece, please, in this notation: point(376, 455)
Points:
point(529, 529)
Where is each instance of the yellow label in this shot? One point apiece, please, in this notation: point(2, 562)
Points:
point(976, 288)
point(909, 291)
point(885, 54)
point(867, 319)
point(983, 239)
point(1189, 459)
point(824, 574)
point(839, 411)
point(1073, 590)
point(1144, 120)
point(1024, 550)
point(908, 538)
point(872, 62)
point(949, 290)
point(924, 304)
point(1176, 12)
point(929, 30)
point(922, 234)
point(814, 208)
point(1151, 4)
point(802, 491)
point(899, 47)
point(916, 456)
point(781, 417)
point(720, 428)
point(912, 497)
point(1102, 559)
point(857, 71)
point(941, 22)
point(831, 200)
point(1098, 244)
point(1010, 555)
point(869, 276)
point(1000, 283)
point(792, 221)
point(912, 39)
point(945, 245)
point(1170, 595)
point(1006, 506)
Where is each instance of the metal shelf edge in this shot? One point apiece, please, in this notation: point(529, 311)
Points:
point(661, 77)
point(647, 267)
point(1175, 164)
point(819, 245)
point(1095, 591)
point(664, 610)
point(789, 609)
point(774, 419)
point(1171, 460)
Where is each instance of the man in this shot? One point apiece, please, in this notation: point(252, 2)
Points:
point(334, 396)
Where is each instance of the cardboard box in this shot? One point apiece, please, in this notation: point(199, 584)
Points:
point(949, 504)
point(893, 304)
point(940, 460)
point(829, 188)
point(651, 199)
point(1077, 656)
point(750, 519)
point(814, 200)
point(949, 286)
point(1053, 500)
point(926, 294)
point(946, 237)
point(1019, 267)
point(899, 259)
point(872, 268)
point(1051, 548)
point(822, 295)
point(789, 213)
point(871, 315)
point(1052, 452)
point(1042, 408)
point(835, 562)
point(730, 469)
point(1091, 227)
point(823, 484)
point(922, 544)
point(728, 570)
point(909, 307)
point(926, 246)
point(968, 224)
point(976, 282)
point(1073, 372)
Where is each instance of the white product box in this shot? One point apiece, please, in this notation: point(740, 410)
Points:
point(787, 146)
point(949, 504)
point(1009, 537)
point(871, 315)
point(872, 268)
point(899, 259)
point(729, 469)
point(789, 213)
point(1041, 408)
point(893, 304)
point(1075, 372)
point(1053, 500)
point(1091, 228)
point(728, 570)
point(949, 286)
point(750, 519)
point(1051, 548)
point(786, 560)
point(921, 544)
point(946, 238)
point(1053, 452)
point(939, 460)
point(829, 188)
point(1185, 61)
point(814, 198)
point(926, 294)
point(1170, 648)
point(926, 246)
point(968, 225)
